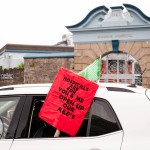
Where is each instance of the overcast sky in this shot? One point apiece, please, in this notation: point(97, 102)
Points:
point(42, 22)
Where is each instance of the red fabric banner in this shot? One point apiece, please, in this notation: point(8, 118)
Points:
point(68, 101)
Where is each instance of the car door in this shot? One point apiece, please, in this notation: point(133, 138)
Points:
point(10, 110)
point(100, 130)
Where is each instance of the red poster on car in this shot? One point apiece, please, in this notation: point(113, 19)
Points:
point(68, 101)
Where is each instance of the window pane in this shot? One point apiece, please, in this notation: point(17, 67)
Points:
point(112, 66)
point(7, 108)
point(121, 66)
point(36, 125)
point(103, 119)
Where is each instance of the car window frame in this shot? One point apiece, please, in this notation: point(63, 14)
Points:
point(23, 126)
point(91, 113)
point(16, 116)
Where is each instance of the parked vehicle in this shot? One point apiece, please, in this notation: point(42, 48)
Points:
point(118, 119)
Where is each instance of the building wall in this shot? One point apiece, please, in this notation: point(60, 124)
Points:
point(12, 55)
point(44, 70)
point(41, 63)
point(37, 70)
point(11, 60)
point(84, 54)
point(98, 32)
point(18, 76)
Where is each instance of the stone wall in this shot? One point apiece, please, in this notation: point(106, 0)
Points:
point(11, 76)
point(37, 70)
point(141, 52)
point(84, 54)
point(44, 70)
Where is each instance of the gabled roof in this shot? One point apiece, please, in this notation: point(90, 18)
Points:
point(99, 15)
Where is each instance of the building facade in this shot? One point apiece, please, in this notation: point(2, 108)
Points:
point(33, 63)
point(121, 36)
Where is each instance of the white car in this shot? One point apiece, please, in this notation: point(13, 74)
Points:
point(119, 119)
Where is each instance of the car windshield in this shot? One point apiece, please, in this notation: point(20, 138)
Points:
point(7, 108)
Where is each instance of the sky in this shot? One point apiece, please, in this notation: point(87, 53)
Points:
point(43, 22)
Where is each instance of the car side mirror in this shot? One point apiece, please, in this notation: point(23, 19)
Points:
point(1, 128)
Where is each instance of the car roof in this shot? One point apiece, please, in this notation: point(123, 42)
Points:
point(123, 87)
point(43, 88)
point(25, 89)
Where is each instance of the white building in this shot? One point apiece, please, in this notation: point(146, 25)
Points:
point(11, 55)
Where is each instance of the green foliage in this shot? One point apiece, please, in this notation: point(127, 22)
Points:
point(21, 66)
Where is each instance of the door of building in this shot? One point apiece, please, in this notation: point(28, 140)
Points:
point(122, 68)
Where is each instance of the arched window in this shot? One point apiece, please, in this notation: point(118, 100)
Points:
point(120, 67)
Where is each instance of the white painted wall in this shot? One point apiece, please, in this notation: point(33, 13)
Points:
point(11, 60)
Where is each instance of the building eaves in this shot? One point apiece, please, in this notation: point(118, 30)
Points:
point(31, 51)
point(50, 55)
point(37, 47)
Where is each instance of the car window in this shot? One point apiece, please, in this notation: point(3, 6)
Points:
point(39, 128)
point(102, 119)
point(7, 108)
point(99, 120)
point(36, 125)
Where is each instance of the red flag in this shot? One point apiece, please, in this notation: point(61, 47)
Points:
point(68, 101)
